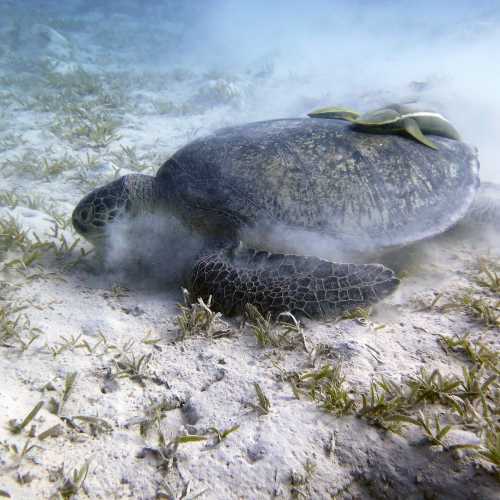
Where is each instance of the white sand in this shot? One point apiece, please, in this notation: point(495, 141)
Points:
point(208, 383)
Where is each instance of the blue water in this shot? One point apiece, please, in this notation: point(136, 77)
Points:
point(287, 56)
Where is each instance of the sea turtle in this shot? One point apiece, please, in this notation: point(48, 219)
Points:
point(395, 118)
point(304, 178)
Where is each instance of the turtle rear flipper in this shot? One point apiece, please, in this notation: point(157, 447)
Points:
point(278, 283)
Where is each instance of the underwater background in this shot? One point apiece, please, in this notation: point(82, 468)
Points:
point(263, 60)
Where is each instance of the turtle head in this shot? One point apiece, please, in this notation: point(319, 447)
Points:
point(130, 195)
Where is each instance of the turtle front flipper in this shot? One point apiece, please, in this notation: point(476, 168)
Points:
point(334, 113)
point(411, 127)
point(278, 283)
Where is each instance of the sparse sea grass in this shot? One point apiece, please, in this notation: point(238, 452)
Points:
point(198, 319)
point(73, 482)
point(286, 333)
point(485, 311)
point(132, 367)
point(327, 388)
point(16, 426)
point(15, 328)
point(489, 279)
point(263, 406)
point(96, 131)
point(475, 351)
point(56, 406)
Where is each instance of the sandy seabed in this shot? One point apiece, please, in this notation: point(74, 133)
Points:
point(103, 350)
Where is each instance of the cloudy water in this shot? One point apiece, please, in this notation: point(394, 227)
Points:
point(264, 60)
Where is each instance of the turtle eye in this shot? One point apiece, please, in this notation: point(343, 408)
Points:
point(86, 214)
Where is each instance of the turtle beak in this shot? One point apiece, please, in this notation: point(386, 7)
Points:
point(84, 219)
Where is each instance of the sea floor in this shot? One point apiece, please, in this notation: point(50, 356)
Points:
point(401, 400)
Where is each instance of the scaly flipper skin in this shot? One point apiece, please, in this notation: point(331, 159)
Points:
point(277, 283)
